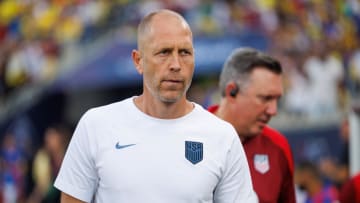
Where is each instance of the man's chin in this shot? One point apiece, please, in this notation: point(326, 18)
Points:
point(257, 131)
point(170, 98)
point(260, 125)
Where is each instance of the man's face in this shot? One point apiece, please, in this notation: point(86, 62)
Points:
point(257, 102)
point(167, 59)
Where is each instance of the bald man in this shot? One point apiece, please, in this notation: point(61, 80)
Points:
point(157, 147)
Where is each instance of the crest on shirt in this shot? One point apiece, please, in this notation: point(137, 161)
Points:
point(194, 151)
point(261, 163)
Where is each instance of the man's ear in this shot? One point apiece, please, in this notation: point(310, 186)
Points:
point(136, 57)
point(231, 89)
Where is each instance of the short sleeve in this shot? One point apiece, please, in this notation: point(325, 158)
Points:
point(235, 184)
point(77, 176)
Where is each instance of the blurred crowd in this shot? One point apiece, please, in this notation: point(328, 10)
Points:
point(27, 172)
point(33, 35)
point(317, 42)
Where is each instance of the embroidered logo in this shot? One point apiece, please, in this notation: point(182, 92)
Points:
point(118, 146)
point(261, 163)
point(194, 151)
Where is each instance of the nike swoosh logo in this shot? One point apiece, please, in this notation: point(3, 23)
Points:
point(118, 146)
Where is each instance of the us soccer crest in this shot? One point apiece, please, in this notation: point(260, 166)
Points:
point(194, 151)
point(261, 163)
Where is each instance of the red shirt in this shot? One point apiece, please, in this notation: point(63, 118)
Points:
point(350, 191)
point(271, 166)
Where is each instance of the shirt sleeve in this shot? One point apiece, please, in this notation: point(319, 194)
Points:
point(235, 185)
point(77, 176)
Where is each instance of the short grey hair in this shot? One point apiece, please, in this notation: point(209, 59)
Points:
point(241, 62)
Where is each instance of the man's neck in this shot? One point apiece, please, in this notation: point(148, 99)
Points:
point(163, 110)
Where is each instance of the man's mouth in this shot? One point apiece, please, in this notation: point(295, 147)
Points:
point(173, 81)
point(264, 121)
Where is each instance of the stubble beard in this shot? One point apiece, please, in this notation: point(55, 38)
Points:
point(174, 97)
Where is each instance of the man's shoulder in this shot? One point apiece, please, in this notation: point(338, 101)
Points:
point(211, 111)
point(216, 125)
point(280, 141)
point(210, 116)
point(275, 136)
point(112, 106)
point(108, 109)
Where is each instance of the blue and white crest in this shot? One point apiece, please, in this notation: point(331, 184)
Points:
point(261, 163)
point(194, 151)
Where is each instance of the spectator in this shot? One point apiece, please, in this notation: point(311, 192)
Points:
point(325, 73)
point(354, 68)
point(13, 170)
point(47, 164)
point(336, 170)
point(309, 179)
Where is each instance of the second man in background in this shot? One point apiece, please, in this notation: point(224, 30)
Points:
point(251, 85)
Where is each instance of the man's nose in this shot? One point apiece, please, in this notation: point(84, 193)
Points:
point(272, 108)
point(175, 62)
